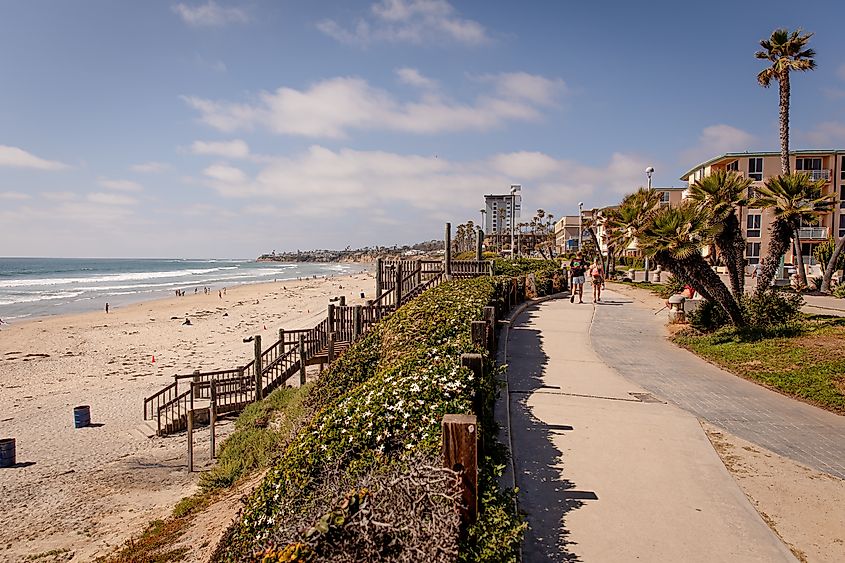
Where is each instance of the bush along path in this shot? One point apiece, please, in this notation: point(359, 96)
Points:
point(362, 480)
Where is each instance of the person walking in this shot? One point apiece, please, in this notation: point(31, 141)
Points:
point(596, 279)
point(577, 268)
point(107, 308)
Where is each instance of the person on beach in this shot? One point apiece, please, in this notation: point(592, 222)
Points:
point(107, 308)
point(577, 268)
point(597, 279)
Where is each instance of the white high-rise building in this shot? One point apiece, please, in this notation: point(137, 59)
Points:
point(498, 216)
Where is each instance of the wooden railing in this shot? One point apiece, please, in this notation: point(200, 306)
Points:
point(236, 388)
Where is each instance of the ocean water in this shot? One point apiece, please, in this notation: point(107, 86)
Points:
point(37, 287)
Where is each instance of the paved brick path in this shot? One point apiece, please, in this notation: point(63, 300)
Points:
point(630, 338)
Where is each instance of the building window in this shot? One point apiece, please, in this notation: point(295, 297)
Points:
point(807, 253)
point(664, 198)
point(808, 164)
point(752, 225)
point(755, 168)
point(842, 225)
point(842, 169)
point(752, 252)
point(733, 166)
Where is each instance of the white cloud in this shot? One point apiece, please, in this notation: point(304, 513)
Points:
point(826, 133)
point(333, 107)
point(224, 174)
point(111, 199)
point(151, 167)
point(120, 185)
point(407, 21)
point(322, 182)
point(715, 140)
point(14, 196)
point(209, 14)
point(412, 77)
point(228, 149)
point(15, 157)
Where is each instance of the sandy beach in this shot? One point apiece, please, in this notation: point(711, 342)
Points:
point(84, 491)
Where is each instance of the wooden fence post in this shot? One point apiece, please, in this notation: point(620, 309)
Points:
point(379, 267)
point(330, 347)
point(447, 257)
point(301, 359)
point(342, 301)
point(460, 453)
point(282, 340)
point(475, 362)
point(479, 333)
point(190, 416)
point(330, 315)
point(490, 317)
point(212, 417)
point(258, 367)
point(356, 323)
point(398, 290)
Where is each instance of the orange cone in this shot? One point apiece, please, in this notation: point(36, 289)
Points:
point(154, 359)
point(265, 327)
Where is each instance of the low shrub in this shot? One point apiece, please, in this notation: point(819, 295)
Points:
point(839, 290)
point(771, 309)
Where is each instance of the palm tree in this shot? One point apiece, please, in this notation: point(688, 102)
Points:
point(635, 212)
point(674, 238)
point(830, 268)
point(793, 198)
point(786, 51)
point(721, 192)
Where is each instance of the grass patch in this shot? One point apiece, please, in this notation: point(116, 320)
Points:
point(154, 545)
point(804, 359)
point(659, 289)
point(261, 431)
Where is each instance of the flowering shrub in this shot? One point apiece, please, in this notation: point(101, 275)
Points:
point(380, 404)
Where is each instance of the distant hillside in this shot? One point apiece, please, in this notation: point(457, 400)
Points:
point(367, 254)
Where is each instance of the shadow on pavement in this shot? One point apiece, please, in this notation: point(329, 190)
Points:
point(544, 495)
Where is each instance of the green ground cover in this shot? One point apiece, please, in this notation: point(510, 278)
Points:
point(805, 359)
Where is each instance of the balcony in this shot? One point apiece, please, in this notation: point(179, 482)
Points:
point(818, 174)
point(813, 233)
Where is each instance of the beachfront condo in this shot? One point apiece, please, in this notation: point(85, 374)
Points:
point(827, 165)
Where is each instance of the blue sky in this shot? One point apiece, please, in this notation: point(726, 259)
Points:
point(195, 128)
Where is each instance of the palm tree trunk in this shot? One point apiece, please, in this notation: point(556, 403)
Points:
point(726, 242)
point(700, 270)
point(802, 271)
point(783, 87)
point(778, 245)
point(831, 265)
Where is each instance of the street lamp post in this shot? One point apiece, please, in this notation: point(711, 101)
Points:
point(580, 224)
point(648, 172)
point(483, 213)
point(514, 188)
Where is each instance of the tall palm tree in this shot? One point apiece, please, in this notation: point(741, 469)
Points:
point(787, 52)
point(634, 213)
point(721, 192)
point(793, 198)
point(674, 238)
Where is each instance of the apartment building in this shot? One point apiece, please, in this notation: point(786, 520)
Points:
point(498, 213)
point(828, 165)
point(566, 234)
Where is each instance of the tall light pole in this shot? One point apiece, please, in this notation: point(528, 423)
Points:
point(514, 188)
point(483, 213)
point(580, 224)
point(648, 172)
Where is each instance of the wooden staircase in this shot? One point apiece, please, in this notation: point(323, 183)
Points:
point(231, 390)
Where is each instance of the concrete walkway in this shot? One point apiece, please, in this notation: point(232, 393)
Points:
point(605, 471)
point(631, 339)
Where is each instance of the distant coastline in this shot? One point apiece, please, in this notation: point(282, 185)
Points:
point(358, 255)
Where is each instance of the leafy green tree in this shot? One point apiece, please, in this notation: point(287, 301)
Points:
point(721, 192)
point(794, 199)
point(674, 238)
point(787, 52)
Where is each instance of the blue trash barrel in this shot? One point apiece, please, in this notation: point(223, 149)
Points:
point(81, 416)
point(7, 452)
